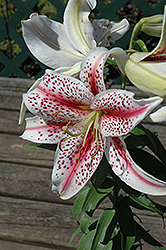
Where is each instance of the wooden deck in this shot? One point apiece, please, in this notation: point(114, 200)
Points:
point(31, 216)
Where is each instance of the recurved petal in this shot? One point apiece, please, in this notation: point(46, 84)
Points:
point(122, 111)
point(158, 116)
point(159, 53)
point(77, 25)
point(39, 132)
point(47, 41)
point(58, 98)
point(73, 167)
point(148, 76)
point(92, 70)
point(23, 106)
point(92, 67)
point(128, 171)
point(106, 32)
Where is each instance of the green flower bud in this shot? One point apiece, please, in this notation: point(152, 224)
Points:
point(152, 25)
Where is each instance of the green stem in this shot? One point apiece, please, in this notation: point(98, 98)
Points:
point(134, 33)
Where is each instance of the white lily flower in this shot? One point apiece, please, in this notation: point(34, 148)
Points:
point(147, 71)
point(88, 120)
point(63, 46)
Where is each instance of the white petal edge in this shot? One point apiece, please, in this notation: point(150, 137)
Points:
point(131, 173)
point(78, 27)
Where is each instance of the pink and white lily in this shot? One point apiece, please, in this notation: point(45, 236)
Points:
point(87, 120)
point(147, 71)
point(63, 46)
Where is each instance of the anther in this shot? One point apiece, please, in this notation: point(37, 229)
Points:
point(60, 143)
point(79, 153)
point(98, 147)
point(65, 128)
point(55, 115)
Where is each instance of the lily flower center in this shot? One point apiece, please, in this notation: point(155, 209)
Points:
point(87, 123)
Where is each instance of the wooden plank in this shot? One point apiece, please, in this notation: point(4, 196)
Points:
point(49, 223)
point(34, 183)
point(28, 182)
point(9, 245)
point(12, 149)
point(14, 86)
point(9, 122)
point(36, 222)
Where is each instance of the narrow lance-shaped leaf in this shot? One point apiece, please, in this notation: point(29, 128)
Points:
point(77, 207)
point(143, 234)
point(103, 222)
point(93, 199)
point(125, 218)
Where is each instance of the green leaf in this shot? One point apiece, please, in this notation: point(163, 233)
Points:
point(129, 242)
point(117, 242)
point(104, 221)
point(77, 231)
point(137, 131)
point(153, 143)
point(92, 200)
point(77, 207)
point(142, 45)
point(86, 240)
point(107, 186)
point(144, 202)
point(43, 145)
point(149, 163)
point(143, 234)
point(101, 173)
point(125, 218)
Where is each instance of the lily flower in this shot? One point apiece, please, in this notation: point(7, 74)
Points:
point(63, 46)
point(86, 120)
point(147, 71)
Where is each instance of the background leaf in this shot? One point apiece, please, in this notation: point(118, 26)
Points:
point(103, 222)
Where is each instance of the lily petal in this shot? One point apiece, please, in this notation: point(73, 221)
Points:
point(122, 111)
point(71, 173)
point(39, 132)
point(148, 76)
point(77, 25)
point(58, 93)
point(106, 32)
point(93, 65)
point(158, 116)
point(47, 40)
point(92, 70)
point(23, 106)
point(128, 171)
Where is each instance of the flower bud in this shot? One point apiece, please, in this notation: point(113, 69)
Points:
point(152, 25)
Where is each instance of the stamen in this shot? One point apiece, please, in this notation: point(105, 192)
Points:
point(55, 115)
point(97, 150)
point(86, 123)
point(62, 140)
point(79, 153)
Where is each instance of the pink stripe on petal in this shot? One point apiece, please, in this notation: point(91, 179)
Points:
point(122, 111)
point(39, 132)
point(70, 174)
point(128, 171)
point(43, 105)
point(66, 89)
point(92, 70)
